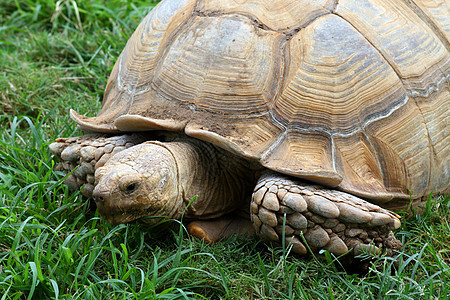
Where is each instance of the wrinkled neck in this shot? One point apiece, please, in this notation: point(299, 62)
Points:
point(220, 181)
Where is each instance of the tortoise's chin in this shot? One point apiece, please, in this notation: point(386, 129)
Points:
point(129, 218)
point(120, 214)
point(116, 216)
point(152, 220)
point(119, 217)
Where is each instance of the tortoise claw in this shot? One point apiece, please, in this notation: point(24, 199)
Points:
point(82, 155)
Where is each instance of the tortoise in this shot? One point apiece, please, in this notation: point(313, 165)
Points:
point(289, 119)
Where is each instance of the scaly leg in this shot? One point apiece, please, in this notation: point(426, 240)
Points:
point(328, 219)
point(84, 154)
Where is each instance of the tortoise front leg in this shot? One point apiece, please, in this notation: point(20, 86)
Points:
point(84, 154)
point(328, 219)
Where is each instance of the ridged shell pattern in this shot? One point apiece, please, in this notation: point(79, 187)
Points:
point(351, 94)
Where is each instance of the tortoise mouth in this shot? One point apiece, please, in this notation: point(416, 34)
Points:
point(120, 214)
point(116, 215)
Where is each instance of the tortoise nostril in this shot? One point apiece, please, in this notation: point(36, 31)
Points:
point(97, 197)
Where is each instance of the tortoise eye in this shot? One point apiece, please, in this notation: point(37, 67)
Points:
point(130, 188)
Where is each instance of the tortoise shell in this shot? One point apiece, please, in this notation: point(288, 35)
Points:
point(352, 94)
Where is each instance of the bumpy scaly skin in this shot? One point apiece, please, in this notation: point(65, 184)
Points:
point(220, 180)
point(328, 219)
point(139, 183)
point(85, 154)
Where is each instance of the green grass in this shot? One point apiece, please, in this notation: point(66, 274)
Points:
point(57, 55)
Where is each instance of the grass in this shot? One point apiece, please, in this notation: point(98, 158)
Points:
point(57, 55)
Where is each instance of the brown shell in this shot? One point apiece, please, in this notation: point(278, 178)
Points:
point(352, 94)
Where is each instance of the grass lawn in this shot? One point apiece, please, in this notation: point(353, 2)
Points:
point(56, 55)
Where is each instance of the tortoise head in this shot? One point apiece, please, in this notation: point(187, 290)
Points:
point(138, 182)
